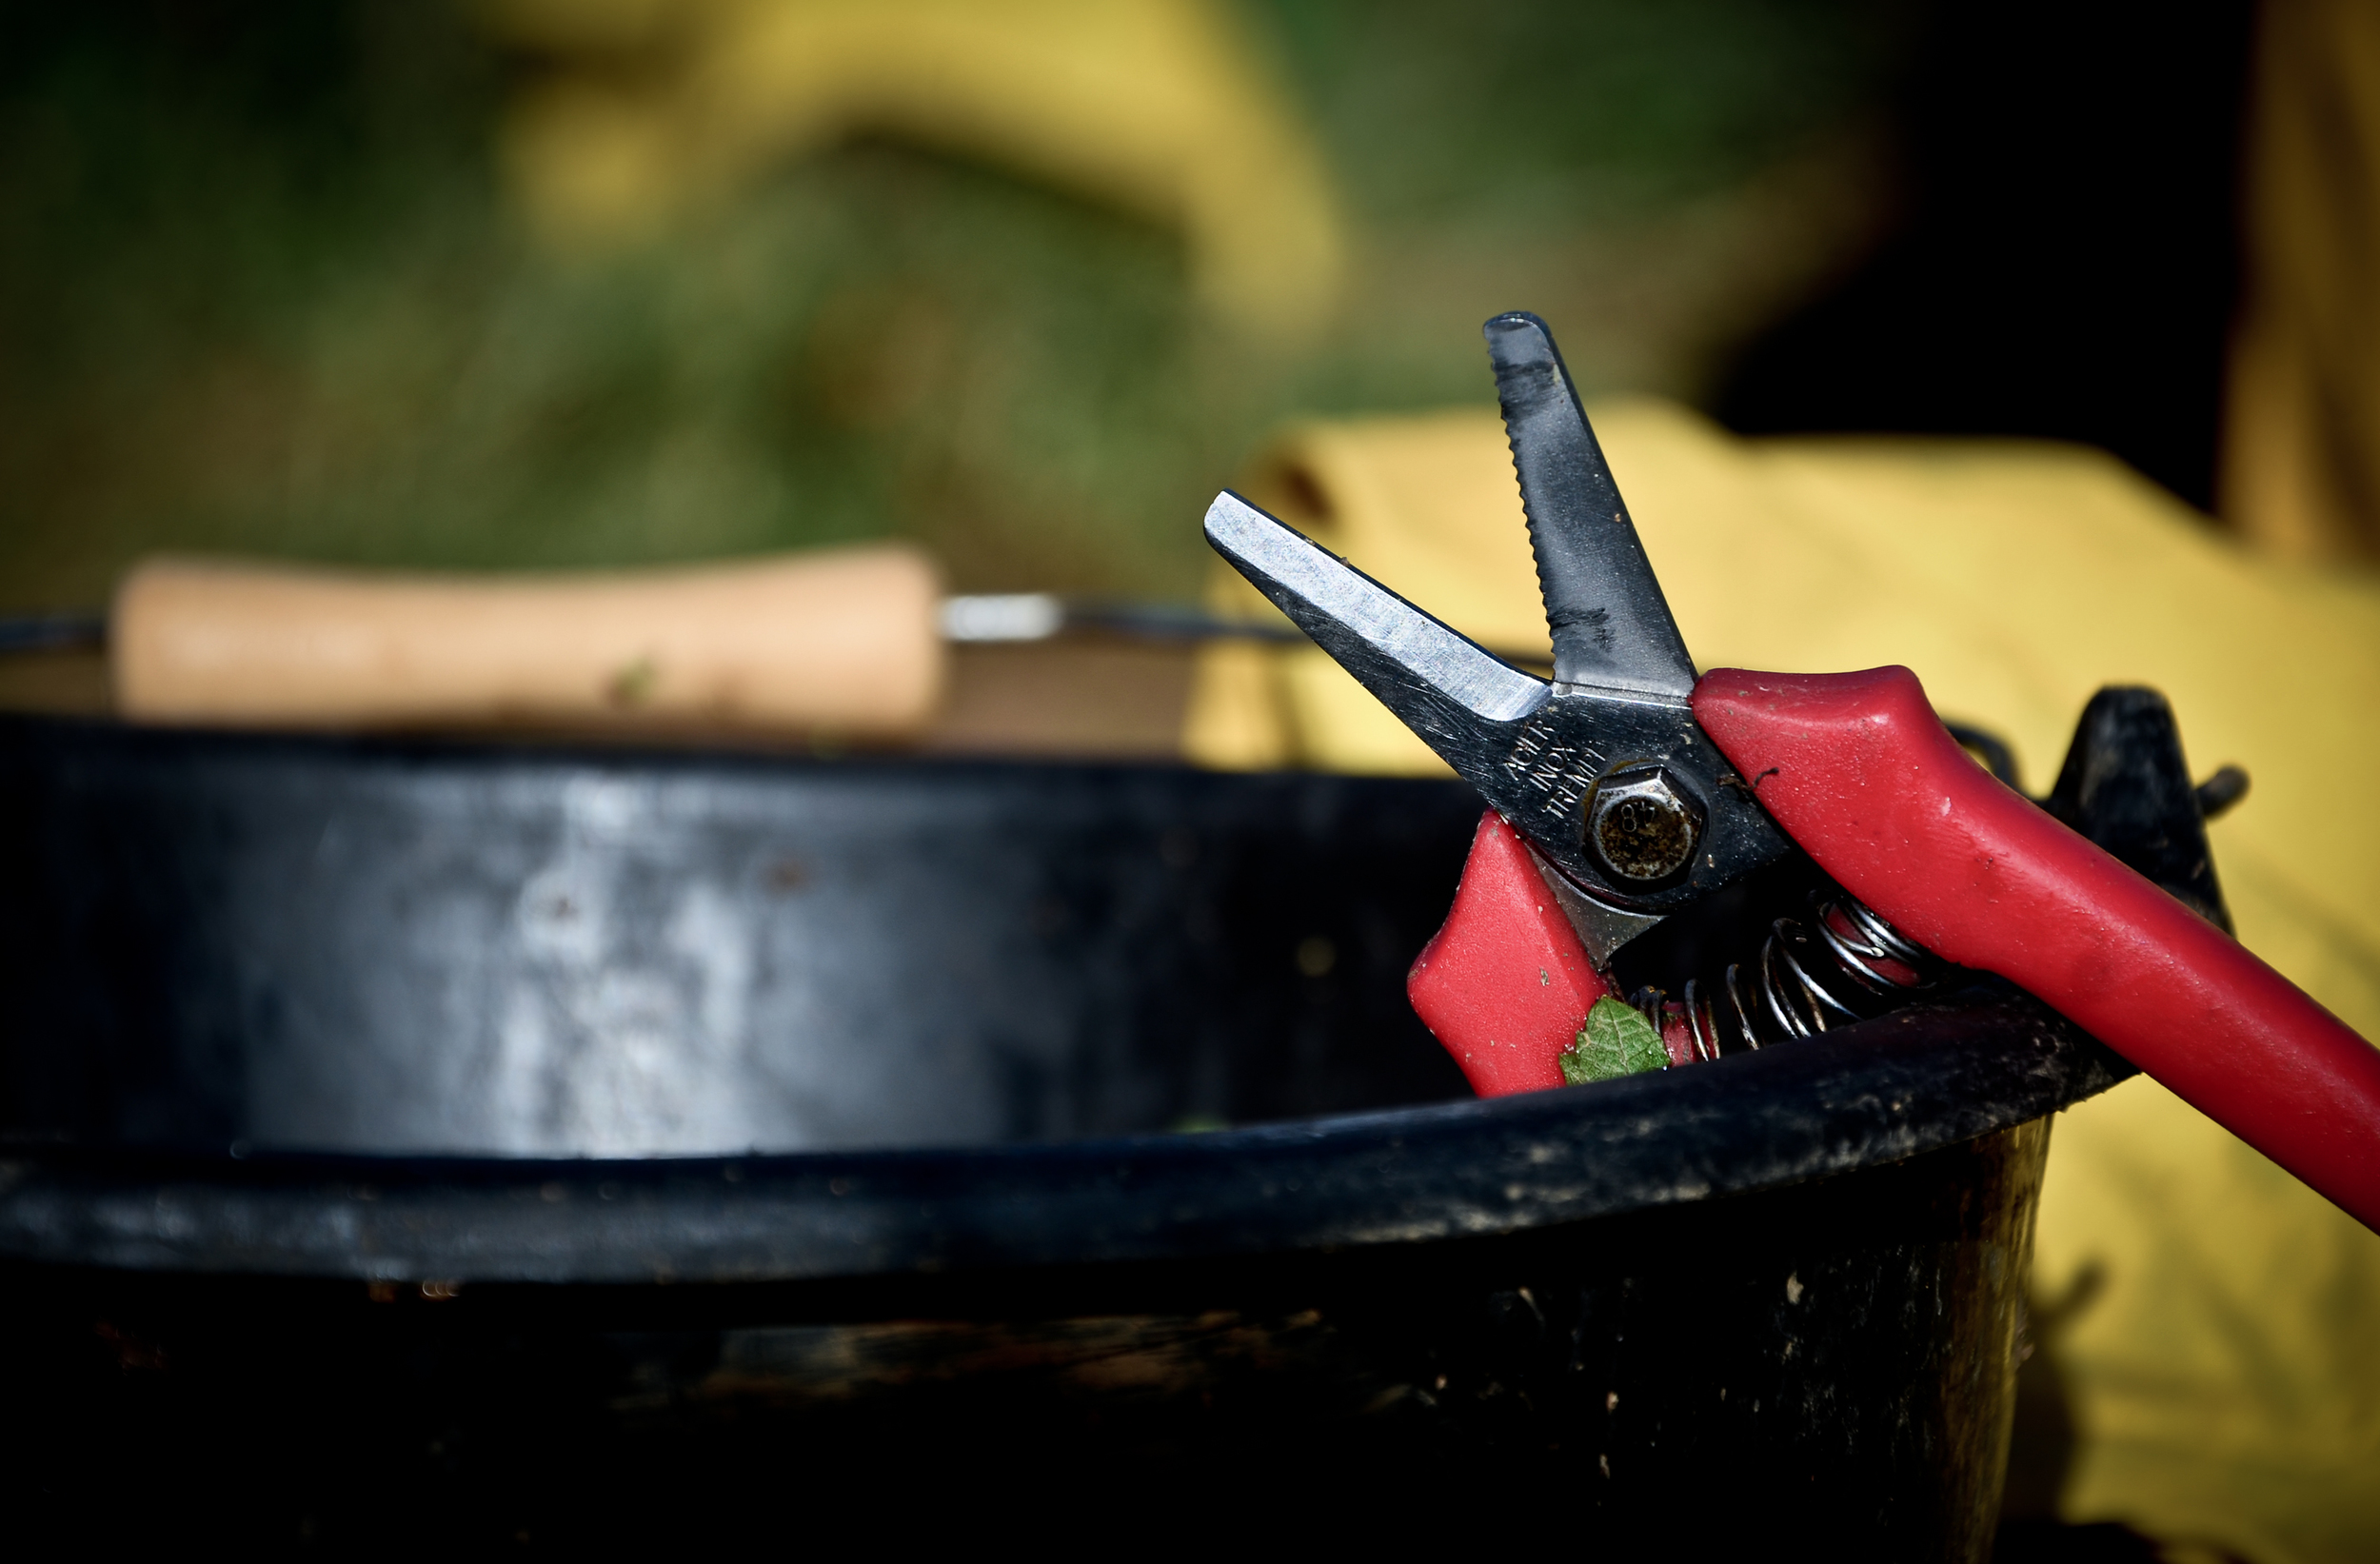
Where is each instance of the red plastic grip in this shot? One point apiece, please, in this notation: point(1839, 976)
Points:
point(1859, 771)
point(1504, 984)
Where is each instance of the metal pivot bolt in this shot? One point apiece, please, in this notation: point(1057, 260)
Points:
point(1642, 826)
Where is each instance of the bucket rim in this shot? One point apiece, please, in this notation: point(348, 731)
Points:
point(1874, 1093)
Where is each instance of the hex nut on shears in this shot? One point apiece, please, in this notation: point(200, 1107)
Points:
point(1641, 826)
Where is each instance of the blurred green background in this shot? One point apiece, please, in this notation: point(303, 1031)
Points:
point(262, 290)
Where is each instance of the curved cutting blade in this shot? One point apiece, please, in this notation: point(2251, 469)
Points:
point(1612, 627)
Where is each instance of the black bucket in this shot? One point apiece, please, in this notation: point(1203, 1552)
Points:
point(579, 1145)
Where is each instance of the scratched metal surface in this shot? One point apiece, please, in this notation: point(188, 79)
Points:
point(307, 945)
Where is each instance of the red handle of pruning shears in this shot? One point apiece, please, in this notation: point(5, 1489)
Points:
point(1860, 772)
point(1505, 983)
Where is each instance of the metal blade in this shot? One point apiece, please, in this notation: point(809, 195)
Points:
point(1612, 627)
point(1438, 683)
point(1535, 752)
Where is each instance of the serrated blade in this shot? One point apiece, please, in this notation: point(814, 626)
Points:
point(1611, 626)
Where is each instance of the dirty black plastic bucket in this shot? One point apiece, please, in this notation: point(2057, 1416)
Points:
point(460, 1143)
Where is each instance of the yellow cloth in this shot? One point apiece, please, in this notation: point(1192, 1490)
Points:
point(1159, 107)
point(2301, 452)
point(2225, 1376)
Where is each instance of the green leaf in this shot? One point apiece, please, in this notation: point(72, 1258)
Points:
point(1616, 1040)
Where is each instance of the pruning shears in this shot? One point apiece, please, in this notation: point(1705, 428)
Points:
point(1629, 788)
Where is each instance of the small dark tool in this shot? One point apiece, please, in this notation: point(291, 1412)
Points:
point(852, 644)
point(1627, 789)
point(970, 619)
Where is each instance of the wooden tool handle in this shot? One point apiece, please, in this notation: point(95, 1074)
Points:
point(845, 640)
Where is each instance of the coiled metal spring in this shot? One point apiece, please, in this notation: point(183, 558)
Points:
point(1843, 964)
